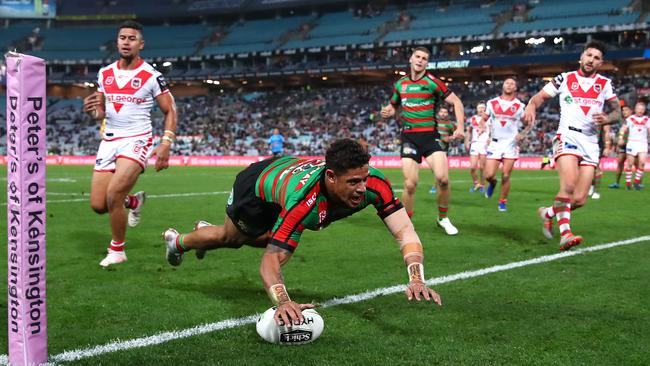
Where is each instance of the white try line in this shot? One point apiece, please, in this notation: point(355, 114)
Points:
point(69, 356)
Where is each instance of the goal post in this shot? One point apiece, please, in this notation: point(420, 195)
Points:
point(26, 156)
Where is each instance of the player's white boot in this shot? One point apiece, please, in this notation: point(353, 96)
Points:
point(113, 257)
point(450, 229)
point(595, 196)
point(173, 255)
point(591, 190)
point(134, 213)
point(200, 253)
point(547, 224)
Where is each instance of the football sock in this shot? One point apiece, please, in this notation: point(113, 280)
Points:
point(117, 246)
point(562, 207)
point(638, 176)
point(442, 212)
point(131, 201)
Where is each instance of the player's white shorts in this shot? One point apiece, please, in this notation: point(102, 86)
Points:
point(135, 148)
point(478, 148)
point(503, 149)
point(576, 144)
point(634, 148)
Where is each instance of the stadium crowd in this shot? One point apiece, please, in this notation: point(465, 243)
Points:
point(240, 123)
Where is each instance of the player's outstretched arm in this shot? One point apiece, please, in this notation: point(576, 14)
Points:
point(94, 105)
point(530, 113)
point(400, 226)
point(271, 272)
point(168, 107)
point(459, 112)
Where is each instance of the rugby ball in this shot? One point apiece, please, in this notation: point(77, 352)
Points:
point(301, 332)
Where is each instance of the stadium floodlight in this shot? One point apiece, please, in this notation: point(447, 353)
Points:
point(557, 40)
point(402, 73)
point(209, 81)
point(217, 82)
point(324, 78)
point(535, 41)
point(167, 64)
point(488, 82)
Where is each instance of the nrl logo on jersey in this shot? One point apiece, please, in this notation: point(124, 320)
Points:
point(110, 80)
point(136, 83)
point(598, 88)
point(403, 88)
point(513, 109)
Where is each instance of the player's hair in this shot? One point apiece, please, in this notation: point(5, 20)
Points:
point(345, 154)
point(421, 48)
point(600, 46)
point(131, 24)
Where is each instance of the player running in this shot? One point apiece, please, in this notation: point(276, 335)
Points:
point(583, 95)
point(504, 115)
point(420, 95)
point(126, 93)
point(445, 128)
point(273, 201)
point(621, 144)
point(605, 146)
point(637, 127)
point(477, 147)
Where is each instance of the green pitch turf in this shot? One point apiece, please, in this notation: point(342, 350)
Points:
point(583, 310)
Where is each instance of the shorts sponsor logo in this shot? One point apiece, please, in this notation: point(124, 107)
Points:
point(570, 146)
point(98, 161)
point(409, 150)
point(230, 198)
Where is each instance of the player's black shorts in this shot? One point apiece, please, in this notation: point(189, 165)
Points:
point(415, 145)
point(250, 214)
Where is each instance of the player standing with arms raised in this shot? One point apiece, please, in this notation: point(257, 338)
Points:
point(476, 139)
point(637, 128)
point(504, 116)
point(127, 89)
point(583, 95)
point(421, 95)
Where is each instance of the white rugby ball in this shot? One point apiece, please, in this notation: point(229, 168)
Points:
point(300, 332)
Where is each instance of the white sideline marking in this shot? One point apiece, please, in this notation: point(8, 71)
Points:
point(171, 195)
point(159, 338)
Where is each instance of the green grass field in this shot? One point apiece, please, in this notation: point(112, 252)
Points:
point(586, 309)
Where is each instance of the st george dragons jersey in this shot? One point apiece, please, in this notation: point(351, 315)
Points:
point(505, 117)
point(129, 96)
point(637, 128)
point(298, 186)
point(475, 122)
point(580, 97)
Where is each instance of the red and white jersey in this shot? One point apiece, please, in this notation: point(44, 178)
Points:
point(580, 98)
point(505, 117)
point(475, 122)
point(638, 129)
point(129, 96)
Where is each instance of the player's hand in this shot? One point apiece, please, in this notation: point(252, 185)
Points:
point(530, 114)
point(519, 137)
point(290, 310)
point(92, 103)
point(607, 151)
point(458, 134)
point(600, 118)
point(388, 111)
point(419, 290)
point(162, 156)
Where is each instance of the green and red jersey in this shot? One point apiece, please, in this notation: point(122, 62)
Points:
point(445, 130)
point(420, 101)
point(298, 186)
